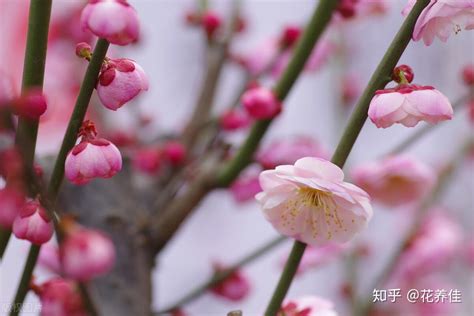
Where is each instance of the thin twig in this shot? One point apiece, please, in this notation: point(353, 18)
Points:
point(378, 81)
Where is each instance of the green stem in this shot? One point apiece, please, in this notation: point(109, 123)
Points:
point(378, 81)
point(4, 238)
point(80, 109)
point(216, 279)
point(313, 31)
point(434, 196)
point(25, 280)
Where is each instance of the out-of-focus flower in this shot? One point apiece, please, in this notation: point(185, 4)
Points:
point(234, 288)
point(347, 8)
point(372, 7)
point(307, 306)
point(395, 180)
point(174, 152)
point(290, 35)
point(441, 18)
point(49, 258)
point(86, 254)
point(30, 105)
point(12, 164)
point(234, 119)
point(33, 224)
point(311, 203)
point(11, 202)
point(468, 74)
point(114, 20)
point(315, 257)
point(246, 186)
point(92, 157)
point(7, 90)
point(408, 104)
point(211, 22)
point(60, 297)
point(261, 103)
point(120, 81)
point(147, 160)
point(287, 151)
point(469, 253)
point(351, 88)
point(435, 244)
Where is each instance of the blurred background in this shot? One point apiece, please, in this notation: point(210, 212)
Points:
point(223, 230)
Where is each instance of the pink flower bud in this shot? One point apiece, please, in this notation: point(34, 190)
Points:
point(147, 160)
point(307, 306)
point(92, 157)
point(121, 81)
point(12, 164)
point(290, 35)
point(33, 224)
point(468, 74)
point(347, 8)
point(11, 202)
point(234, 288)
point(60, 297)
point(83, 50)
point(407, 74)
point(114, 20)
point(174, 152)
point(211, 21)
point(30, 105)
point(234, 119)
point(409, 104)
point(288, 151)
point(395, 180)
point(261, 103)
point(86, 254)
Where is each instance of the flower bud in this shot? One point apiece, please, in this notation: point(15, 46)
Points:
point(86, 254)
point(11, 202)
point(211, 21)
point(83, 50)
point(121, 81)
point(33, 224)
point(261, 103)
point(60, 297)
point(174, 152)
point(114, 20)
point(30, 105)
point(403, 74)
point(234, 119)
point(234, 288)
point(147, 160)
point(290, 35)
point(468, 74)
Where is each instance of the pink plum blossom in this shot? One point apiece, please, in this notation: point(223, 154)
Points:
point(408, 105)
point(11, 202)
point(86, 254)
point(287, 151)
point(395, 180)
point(120, 81)
point(211, 21)
point(310, 202)
point(60, 297)
point(234, 288)
point(114, 20)
point(441, 18)
point(92, 158)
point(261, 103)
point(33, 224)
point(307, 306)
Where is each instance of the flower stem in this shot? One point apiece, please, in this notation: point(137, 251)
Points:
point(214, 280)
point(443, 179)
point(25, 280)
point(313, 31)
point(75, 122)
point(4, 238)
point(378, 81)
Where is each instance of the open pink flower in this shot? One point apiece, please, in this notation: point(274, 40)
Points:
point(234, 288)
point(441, 18)
point(311, 203)
point(114, 20)
point(307, 306)
point(287, 151)
point(33, 224)
point(86, 254)
point(120, 81)
point(60, 297)
point(408, 104)
point(11, 202)
point(92, 157)
point(395, 180)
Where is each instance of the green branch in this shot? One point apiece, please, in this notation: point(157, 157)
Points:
point(313, 31)
point(378, 81)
